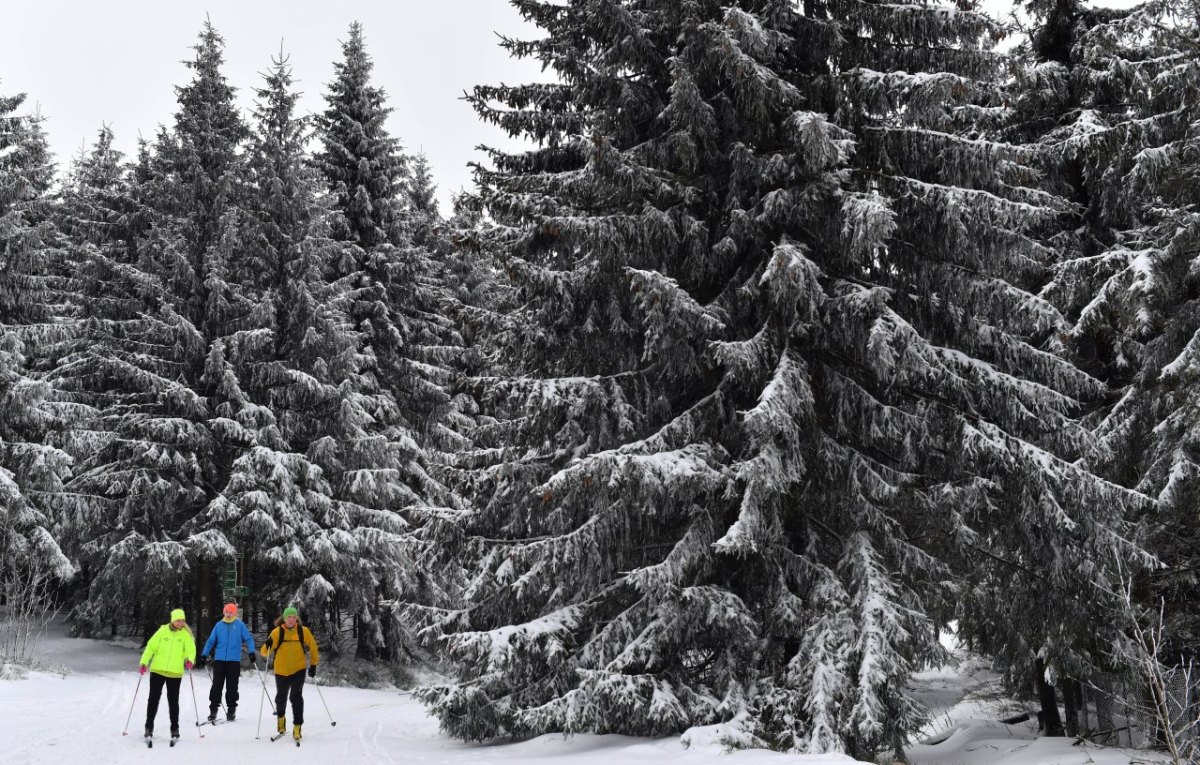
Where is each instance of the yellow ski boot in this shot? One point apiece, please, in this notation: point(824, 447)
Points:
point(296, 734)
point(281, 725)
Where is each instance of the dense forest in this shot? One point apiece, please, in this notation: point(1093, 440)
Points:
point(792, 336)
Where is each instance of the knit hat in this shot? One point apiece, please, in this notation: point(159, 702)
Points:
point(290, 611)
point(177, 615)
point(230, 609)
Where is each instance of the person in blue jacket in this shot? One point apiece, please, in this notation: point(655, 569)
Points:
point(224, 647)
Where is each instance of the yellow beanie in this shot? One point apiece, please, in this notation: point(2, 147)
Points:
point(177, 614)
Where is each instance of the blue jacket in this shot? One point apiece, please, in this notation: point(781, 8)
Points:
point(228, 637)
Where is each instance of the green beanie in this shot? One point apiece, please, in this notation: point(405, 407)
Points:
point(290, 611)
point(177, 614)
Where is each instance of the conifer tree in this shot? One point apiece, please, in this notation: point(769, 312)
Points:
point(422, 197)
point(779, 371)
point(400, 304)
point(160, 464)
point(363, 164)
point(1103, 97)
point(396, 305)
point(32, 470)
point(97, 214)
point(313, 496)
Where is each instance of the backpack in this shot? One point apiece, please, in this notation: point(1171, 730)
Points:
point(278, 638)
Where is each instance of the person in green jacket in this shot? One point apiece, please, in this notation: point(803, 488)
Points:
point(170, 652)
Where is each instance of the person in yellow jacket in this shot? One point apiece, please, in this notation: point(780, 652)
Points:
point(289, 647)
point(170, 652)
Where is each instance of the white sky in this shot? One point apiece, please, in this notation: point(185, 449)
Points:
point(116, 61)
point(86, 62)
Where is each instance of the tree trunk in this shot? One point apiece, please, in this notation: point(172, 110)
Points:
point(1104, 716)
point(1071, 702)
point(1085, 722)
point(366, 647)
point(1048, 717)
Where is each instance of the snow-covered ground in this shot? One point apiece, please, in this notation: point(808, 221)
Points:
point(967, 704)
point(982, 742)
point(77, 714)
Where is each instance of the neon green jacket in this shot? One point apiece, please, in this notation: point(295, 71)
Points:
point(168, 649)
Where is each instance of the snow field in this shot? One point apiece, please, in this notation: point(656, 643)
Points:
point(49, 718)
point(76, 715)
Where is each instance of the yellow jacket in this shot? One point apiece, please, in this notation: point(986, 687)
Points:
point(288, 647)
point(168, 649)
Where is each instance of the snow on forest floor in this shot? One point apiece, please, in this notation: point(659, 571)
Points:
point(967, 703)
point(77, 713)
point(75, 710)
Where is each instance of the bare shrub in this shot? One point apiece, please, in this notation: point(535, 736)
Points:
point(26, 610)
point(1171, 700)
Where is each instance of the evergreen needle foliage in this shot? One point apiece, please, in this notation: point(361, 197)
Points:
point(782, 375)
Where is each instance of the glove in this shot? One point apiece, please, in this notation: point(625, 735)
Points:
point(187, 664)
point(142, 669)
point(312, 670)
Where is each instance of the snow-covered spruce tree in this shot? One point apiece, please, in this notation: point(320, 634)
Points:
point(97, 215)
point(314, 497)
point(31, 470)
point(400, 304)
point(161, 465)
point(1106, 98)
point(778, 375)
point(363, 164)
point(1050, 117)
point(422, 200)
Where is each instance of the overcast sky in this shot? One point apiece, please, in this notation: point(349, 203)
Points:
point(87, 62)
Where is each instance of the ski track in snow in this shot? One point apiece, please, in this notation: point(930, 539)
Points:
point(77, 714)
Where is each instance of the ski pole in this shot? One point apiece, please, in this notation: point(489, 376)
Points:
point(131, 705)
point(195, 706)
point(263, 698)
point(322, 697)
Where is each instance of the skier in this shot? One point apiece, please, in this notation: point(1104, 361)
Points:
point(170, 652)
point(291, 644)
point(224, 648)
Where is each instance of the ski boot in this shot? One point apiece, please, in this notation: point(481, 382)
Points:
point(296, 734)
point(281, 725)
point(230, 714)
point(212, 715)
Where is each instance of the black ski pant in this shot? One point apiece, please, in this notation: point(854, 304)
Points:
point(157, 682)
point(224, 673)
point(290, 685)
